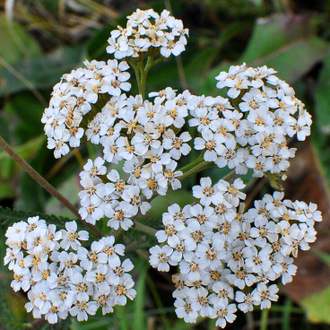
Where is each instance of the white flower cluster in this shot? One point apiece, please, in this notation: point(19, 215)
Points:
point(143, 135)
point(254, 135)
point(61, 276)
point(73, 98)
point(226, 256)
point(146, 30)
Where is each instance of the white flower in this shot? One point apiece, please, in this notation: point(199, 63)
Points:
point(224, 313)
point(177, 145)
point(124, 289)
point(184, 310)
point(172, 227)
point(264, 295)
point(205, 191)
point(159, 257)
point(71, 238)
point(246, 301)
point(82, 308)
point(120, 216)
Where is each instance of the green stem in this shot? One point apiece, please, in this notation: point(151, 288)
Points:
point(144, 73)
point(264, 319)
point(42, 182)
point(192, 164)
point(229, 176)
point(146, 229)
point(137, 75)
point(196, 166)
point(141, 72)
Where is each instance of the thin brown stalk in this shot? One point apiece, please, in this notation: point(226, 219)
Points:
point(43, 183)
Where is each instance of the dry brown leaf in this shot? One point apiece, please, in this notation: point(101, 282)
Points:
point(306, 183)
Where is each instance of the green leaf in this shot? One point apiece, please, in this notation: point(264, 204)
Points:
point(196, 68)
point(274, 32)
point(69, 189)
point(294, 60)
point(9, 216)
point(317, 306)
point(121, 315)
point(42, 71)
point(8, 168)
point(160, 204)
point(139, 317)
point(28, 111)
point(322, 98)
point(289, 46)
point(16, 44)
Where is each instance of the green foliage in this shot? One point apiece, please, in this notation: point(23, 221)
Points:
point(220, 36)
point(41, 71)
point(9, 216)
point(317, 306)
point(289, 46)
point(16, 44)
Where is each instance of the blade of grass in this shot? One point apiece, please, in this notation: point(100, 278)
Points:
point(139, 316)
point(286, 314)
point(99, 8)
point(264, 319)
point(123, 321)
point(158, 302)
point(26, 82)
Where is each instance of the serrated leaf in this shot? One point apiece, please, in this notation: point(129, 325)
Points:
point(9, 216)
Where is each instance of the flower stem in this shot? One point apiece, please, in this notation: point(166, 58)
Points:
point(141, 72)
point(43, 183)
point(196, 166)
point(146, 229)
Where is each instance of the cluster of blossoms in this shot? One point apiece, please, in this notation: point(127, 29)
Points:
point(253, 134)
point(143, 135)
point(226, 256)
point(73, 98)
point(146, 31)
point(61, 276)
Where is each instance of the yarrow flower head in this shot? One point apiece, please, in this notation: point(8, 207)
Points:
point(60, 283)
point(227, 256)
point(73, 98)
point(223, 253)
point(147, 31)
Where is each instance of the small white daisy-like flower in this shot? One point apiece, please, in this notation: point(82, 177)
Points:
point(159, 257)
point(71, 238)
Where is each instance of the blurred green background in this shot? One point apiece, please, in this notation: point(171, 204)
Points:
point(42, 39)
